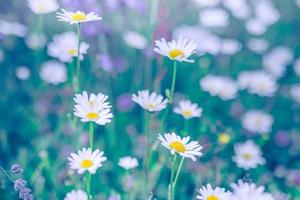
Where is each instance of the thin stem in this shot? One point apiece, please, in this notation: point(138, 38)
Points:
point(91, 135)
point(78, 59)
point(177, 174)
point(6, 174)
point(186, 127)
point(148, 144)
point(173, 80)
point(89, 176)
point(170, 192)
point(88, 185)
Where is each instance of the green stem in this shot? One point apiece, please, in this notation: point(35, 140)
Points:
point(91, 135)
point(148, 143)
point(6, 174)
point(170, 189)
point(88, 185)
point(77, 86)
point(89, 175)
point(177, 174)
point(173, 81)
point(186, 127)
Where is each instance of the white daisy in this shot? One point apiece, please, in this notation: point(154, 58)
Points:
point(208, 193)
point(179, 50)
point(182, 146)
point(188, 109)
point(65, 46)
point(41, 7)
point(128, 162)
point(214, 17)
point(12, 28)
point(248, 155)
point(135, 40)
point(295, 92)
point(76, 195)
point(92, 108)
point(77, 17)
point(23, 72)
point(224, 87)
point(257, 121)
point(86, 160)
point(53, 72)
point(36, 41)
point(249, 191)
point(152, 102)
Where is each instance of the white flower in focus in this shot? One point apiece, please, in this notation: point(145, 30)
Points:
point(188, 109)
point(77, 17)
point(208, 193)
point(86, 160)
point(128, 162)
point(92, 108)
point(65, 46)
point(12, 28)
point(183, 146)
point(295, 92)
point(257, 121)
point(23, 72)
point(53, 72)
point(41, 7)
point(135, 40)
point(214, 17)
point(151, 102)
point(248, 155)
point(223, 87)
point(36, 41)
point(249, 191)
point(179, 50)
point(76, 195)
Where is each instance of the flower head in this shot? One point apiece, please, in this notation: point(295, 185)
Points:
point(92, 108)
point(53, 72)
point(188, 109)
point(16, 169)
point(43, 7)
point(182, 146)
point(86, 160)
point(257, 121)
point(248, 155)
point(179, 50)
point(208, 193)
point(76, 17)
point(76, 195)
point(128, 162)
point(151, 102)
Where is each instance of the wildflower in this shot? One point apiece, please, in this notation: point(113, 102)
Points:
point(224, 138)
point(248, 155)
point(188, 109)
point(43, 7)
point(151, 102)
point(16, 169)
point(77, 17)
point(92, 108)
point(86, 160)
point(53, 72)
point(25, 194)
point(36, 41)
point(214, 17)
point(182, 146)
point(208, 193)
point(76, 195)
point(19, 184)
point(128, 162)
point(135, 40)
point(12, 28)
point(179, 50)
point(257, 121)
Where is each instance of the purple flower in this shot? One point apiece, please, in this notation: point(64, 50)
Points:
point(19, 185)
point(16, 169)
point(25, 194)
point(124, 103)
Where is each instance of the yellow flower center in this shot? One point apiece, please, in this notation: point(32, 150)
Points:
point(177, 146)
point(150, 106)
point(175, 53)
point(212, 197)
point(247, 156)
point(73, 52)
point(86, 164)
point(224, 138)
point(79, 16)
point(187, 113)
point(92, 115)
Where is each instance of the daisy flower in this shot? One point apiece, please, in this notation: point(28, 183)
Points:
point(76, 195)
point(43, 7)
point(188, 109)
point(249, 191)
point(151, 102)
point(182, 146)
point(179, 50)
point(208, 193)
point(53, 72)
point(257, 121)
point(86, 160)
point(77, 17)
point(92, 108)
point(65, 47)
point(248, 155)
point(128, 162)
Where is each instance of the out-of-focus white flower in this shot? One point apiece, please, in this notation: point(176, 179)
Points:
point(256, 26)
point(41, 7)
point(76, 195)
point(257, 121)
point(128, 162)
point(23, 72)
point(151, 102)
point(36, 41)
point(248, 155)
point(65, 46)
point(276, 60)
point(266, 12)
point(214, 17)
point(182, 146)
point(206, 3)
point(77, 17)
point(239, 8)
point(92, 108)
point(220, 86)
point(53, 72)
point(188, 109)
point(258, 82)
point(281, 196)
point(249, 191)
point(208, 193)
point(12, 28)
point(179, 50)
point(295, 92)
point(135, 40)
point(230, 46)
point(86, 160)
point(258, 45)
point(297, 66)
